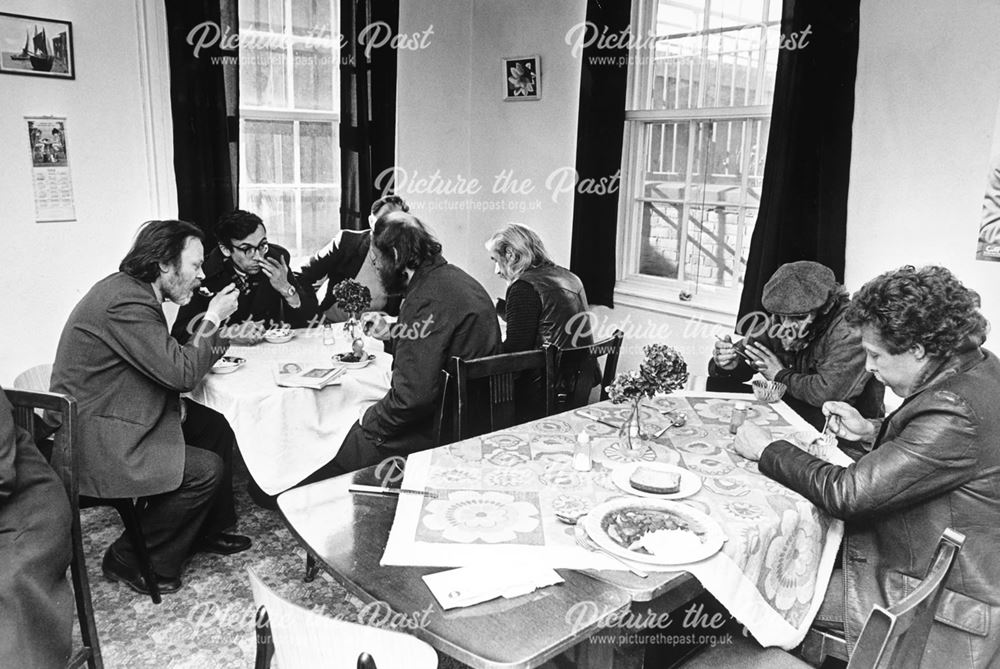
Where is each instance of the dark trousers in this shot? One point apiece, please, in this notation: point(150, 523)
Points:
point(203, 503)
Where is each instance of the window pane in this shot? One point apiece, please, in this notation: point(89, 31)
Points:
point(712, 243)
point(262, 77)
point(313, 67)
point(268, 149)
point(312, 18)
point(265, 15)
point(316, 147)
point(320, 217)
point(276, 207)
point(667, 157)
point(660, 240)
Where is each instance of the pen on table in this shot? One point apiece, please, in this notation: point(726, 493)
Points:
point(378, 490)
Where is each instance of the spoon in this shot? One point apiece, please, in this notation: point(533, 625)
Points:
point(586, 542)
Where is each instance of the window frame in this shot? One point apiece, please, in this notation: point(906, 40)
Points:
point(714, 304)
point(296, 116)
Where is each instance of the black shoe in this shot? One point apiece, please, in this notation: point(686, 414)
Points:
point(115, 569)
point(222, 544)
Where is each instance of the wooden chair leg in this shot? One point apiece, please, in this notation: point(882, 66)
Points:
point(311, 568)
point(265, 642)
point(130, 518)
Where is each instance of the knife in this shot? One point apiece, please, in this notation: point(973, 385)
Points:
point(379, 490)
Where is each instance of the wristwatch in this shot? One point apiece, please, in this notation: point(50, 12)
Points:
point(290, 292)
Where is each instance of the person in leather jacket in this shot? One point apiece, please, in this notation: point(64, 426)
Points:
point(932, 464)
point(802, 341)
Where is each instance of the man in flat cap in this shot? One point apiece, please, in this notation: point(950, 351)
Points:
point(804, 342)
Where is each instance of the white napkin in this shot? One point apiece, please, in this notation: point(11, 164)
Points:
point(466, 586)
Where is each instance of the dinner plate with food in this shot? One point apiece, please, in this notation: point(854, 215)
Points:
point(278, 335)
point(353, 360)
point(656, 479)
point(655, 531)
point(227, 364)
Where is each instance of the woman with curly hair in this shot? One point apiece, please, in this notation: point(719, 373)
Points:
point(933, 464)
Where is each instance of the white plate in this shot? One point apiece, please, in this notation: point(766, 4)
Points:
point(227, 364)
point(353, 365)
point(278, 336)
point(708, 543)
point(690, 482)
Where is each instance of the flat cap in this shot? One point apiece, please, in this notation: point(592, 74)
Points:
point(798, 288)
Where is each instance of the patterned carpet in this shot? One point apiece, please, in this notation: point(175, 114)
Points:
point(209, 623)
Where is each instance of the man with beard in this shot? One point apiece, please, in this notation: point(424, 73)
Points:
point(268, 292)
point(117, 358)
point(445, 313)
point(805, 344)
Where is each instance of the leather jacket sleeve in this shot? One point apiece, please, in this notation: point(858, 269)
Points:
point(933, 453)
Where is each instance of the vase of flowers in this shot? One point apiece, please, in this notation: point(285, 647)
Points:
point(353, 298)
point(662, 370)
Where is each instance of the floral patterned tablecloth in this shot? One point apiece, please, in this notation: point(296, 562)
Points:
point(498, 495)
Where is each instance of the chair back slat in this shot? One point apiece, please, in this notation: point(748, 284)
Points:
point(575, 366)
point(896, 636)
point(487, 390)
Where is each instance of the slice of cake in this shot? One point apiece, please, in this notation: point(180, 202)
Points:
point(655, 481)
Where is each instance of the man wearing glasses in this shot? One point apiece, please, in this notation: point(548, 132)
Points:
point(269, 292)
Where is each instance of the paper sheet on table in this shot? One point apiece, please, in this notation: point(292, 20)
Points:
point(466, 586)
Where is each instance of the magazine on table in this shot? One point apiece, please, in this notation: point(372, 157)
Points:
point(306, 375)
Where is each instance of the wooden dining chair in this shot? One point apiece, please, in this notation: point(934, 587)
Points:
point(497, 391)
point(574, 367)
point(38, 379)
point(892, 638)
point(303, 639)
point(63, 461)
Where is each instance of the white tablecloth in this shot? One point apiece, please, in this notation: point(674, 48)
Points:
point(285, 434)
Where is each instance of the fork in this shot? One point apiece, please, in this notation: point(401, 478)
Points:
point(586, 542)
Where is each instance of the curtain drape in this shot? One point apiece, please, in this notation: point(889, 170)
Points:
point(600, 127)
point(367, 106)
point(803, 207)
point(204, 128)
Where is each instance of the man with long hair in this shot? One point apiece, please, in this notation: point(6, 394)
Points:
point(117, 358)
point(445, 313)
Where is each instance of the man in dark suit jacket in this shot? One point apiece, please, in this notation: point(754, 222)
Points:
point(445, 313)
point(344, 258)
point(269, 292)
point(36, 623)
point(117, 358)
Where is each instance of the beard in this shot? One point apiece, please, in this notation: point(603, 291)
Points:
point(178, 290)
point(392, 279)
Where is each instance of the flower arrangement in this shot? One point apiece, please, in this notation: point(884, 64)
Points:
point(352, 297)
point(662, 370)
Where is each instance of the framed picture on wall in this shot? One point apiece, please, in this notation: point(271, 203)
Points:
point(36, 47)
point(522, 78)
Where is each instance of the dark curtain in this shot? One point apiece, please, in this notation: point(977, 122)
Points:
point(803, 206)
point(203, 127)
point(367, 107)
point(600, 127)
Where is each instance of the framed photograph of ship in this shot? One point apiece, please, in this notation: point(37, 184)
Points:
point(36, 46)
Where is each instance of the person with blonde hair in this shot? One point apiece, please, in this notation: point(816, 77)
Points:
point(545, 304)
point(544, 301)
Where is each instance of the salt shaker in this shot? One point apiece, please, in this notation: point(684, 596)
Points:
point(328, 337)
point(737, 417)
point(581, 453)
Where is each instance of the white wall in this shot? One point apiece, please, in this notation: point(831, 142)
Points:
point(927, 94)
point(46, 267)
point(452, 118)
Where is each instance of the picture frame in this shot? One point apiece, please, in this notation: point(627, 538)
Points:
point(522, 78)
point(36, 46)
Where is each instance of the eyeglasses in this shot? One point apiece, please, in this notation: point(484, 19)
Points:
point(247, 249)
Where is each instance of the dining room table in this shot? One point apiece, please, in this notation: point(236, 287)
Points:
point(501, 500)
point(287, 433)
